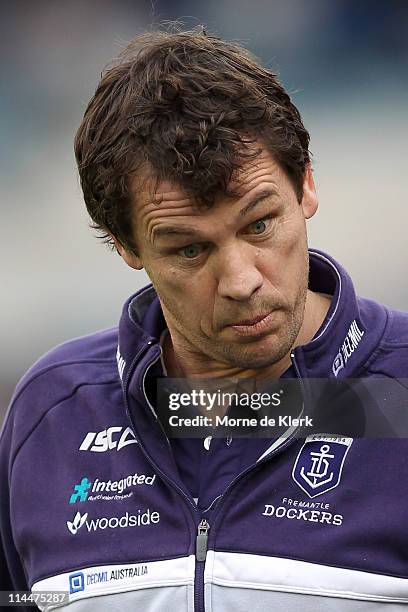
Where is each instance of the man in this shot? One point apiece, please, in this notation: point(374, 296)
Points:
point(194, 164)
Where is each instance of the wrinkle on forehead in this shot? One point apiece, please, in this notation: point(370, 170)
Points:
point(152, 216)
point(159, 201)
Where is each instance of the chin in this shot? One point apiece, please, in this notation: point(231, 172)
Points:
point(257, 357)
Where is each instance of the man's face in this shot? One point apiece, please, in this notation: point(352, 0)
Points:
point(232, 280)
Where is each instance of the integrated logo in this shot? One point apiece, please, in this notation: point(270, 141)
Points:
point(319, 464)
point(109, 490)
point(350, 343)
point(108, 439)
point(140, 519)
point(76, 582)
point(80, 491)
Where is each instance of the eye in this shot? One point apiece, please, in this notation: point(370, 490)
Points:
point(191, 251)
point(258, 227)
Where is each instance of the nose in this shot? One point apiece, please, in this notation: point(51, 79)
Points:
point(237, 272)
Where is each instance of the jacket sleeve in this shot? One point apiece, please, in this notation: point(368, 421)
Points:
point(12, 575)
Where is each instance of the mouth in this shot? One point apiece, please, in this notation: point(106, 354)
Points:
point(256, 326)
point(247, 322)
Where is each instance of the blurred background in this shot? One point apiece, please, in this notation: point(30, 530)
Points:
point(345, 63)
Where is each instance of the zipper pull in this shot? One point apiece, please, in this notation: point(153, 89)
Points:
point(202, 539)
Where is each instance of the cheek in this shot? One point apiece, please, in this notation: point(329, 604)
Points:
point(285, 264)
point(180, 293)
point(169, 288)
point(166, 284)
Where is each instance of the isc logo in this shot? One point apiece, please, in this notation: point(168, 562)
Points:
point(108, 439)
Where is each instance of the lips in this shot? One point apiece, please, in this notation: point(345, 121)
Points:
point(251, 321)
point(258, 326)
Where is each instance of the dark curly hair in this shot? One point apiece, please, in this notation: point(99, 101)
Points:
point(185, 105)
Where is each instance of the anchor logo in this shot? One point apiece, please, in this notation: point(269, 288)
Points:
point(320, 467)
point(319, 464)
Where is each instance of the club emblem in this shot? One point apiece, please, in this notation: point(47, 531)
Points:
point(319, 464)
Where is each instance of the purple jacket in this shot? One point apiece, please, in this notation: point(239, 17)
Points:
point(92, 502)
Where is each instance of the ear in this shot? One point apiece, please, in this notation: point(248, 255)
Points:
point(309, 201)
point(130, 258)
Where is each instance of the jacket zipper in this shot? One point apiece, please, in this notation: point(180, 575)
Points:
point(202, 529)
point(201, 554)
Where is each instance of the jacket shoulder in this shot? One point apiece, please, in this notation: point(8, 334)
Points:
point(57, 375)
point(99, 346)
point(391, 357)
point(396, 333)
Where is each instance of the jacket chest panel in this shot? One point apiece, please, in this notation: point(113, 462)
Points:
point(355, 516)
point(93, 495)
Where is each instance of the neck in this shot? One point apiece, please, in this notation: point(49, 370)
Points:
point(183, 362)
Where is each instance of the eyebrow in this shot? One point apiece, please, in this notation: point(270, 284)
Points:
point(175, 230)
point(260, 197)
point(183, 230)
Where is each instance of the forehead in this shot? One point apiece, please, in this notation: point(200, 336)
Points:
point(156, 201)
